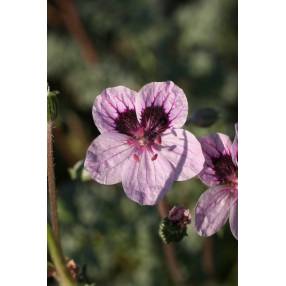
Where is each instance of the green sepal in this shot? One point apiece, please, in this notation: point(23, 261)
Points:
point(171, 232)
point(52, 111)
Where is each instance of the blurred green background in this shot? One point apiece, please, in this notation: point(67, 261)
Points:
point(95, 44)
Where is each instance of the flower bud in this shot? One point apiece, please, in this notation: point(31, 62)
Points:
point(52, 111)
point(180, 216)
point(72, 268)
point(204, 117)
point(174, 227)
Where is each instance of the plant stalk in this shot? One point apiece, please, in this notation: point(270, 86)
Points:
point(52, 185)
point(58, 260)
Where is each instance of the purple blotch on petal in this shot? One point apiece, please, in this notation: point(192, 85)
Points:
point(109, 104)
point(219, 167)
point(167, 95)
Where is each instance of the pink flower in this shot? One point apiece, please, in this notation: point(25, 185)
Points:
point(220, 172)
point(141, 143)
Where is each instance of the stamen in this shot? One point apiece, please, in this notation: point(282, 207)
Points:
point(154, 157)
point(154, 120)
point(130, 141)
point(158, 140)
point(136, 157)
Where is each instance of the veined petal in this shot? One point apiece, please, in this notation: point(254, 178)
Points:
point(234, 147)
point(145, 180)
point(214, 146)
point(106, 156)
point(169, 96)
point(109, 104)
point(212, 210)
point(181, 148)
point(233, 219)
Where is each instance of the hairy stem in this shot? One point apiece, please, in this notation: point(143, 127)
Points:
point(169, 251)
point(52, 184)
point(58, 260)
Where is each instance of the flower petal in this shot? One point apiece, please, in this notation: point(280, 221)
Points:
point(109, 104)
point(146, 180)
point(212, 210)
point(233, 219)
point(213, 146)
point(106, 156)
point(184, 152)
point(216, 144)
point(165, 94)
point(234, 146)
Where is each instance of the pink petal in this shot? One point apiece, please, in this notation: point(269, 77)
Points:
point(184, 152)
point(107, 105)
point(165, 94)
point(234, 147)
point(146, 181)
point(213, 146)
point(212, 210)
point(106, 156)
point(233, 219)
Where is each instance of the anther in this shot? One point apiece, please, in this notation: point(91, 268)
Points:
point(158, 139)
point(136, 157)
point(154, 157)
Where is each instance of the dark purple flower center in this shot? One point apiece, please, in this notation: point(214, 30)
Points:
point(154, 121)
point(225, 169)
point(127, 122)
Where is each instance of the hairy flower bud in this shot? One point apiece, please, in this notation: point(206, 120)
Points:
point(180, 216)
point(174, 227)
point(204, 117)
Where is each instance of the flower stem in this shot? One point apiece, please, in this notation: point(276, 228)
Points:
point(169, 251)
point(58, 260)
point(52, 184)
point(207, 257)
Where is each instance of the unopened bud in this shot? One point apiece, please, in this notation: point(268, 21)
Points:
point(173, 228)
point(204, 117)
point(52, 105)
point(180, 216)
point(73, 269)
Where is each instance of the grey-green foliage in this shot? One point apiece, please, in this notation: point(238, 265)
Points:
point(205, 23)
point(193, 43)
point(118, 239)
point(108, 234)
